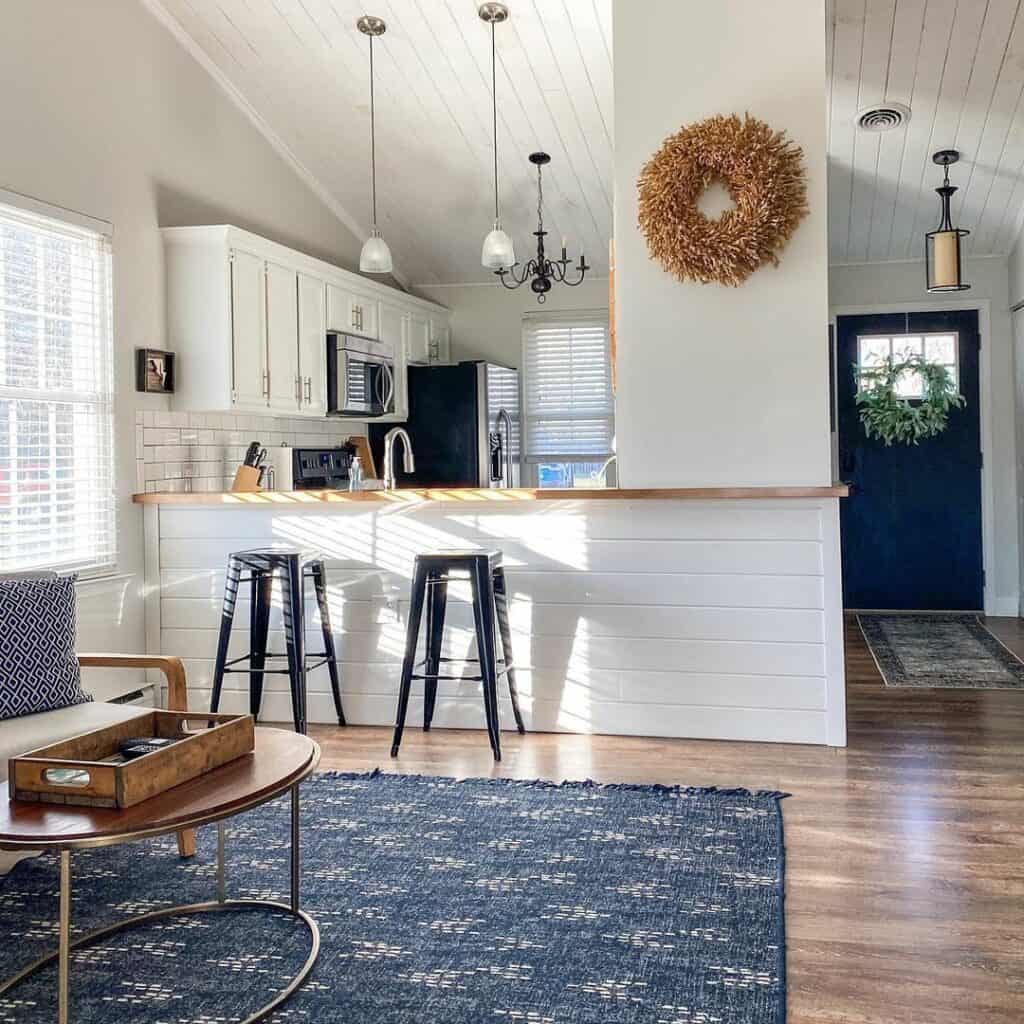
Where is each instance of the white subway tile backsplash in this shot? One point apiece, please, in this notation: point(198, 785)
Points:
point(201, 451)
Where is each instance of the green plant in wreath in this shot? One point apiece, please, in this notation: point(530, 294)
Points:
point(891, 418)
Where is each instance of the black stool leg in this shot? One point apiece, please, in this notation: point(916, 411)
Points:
point(501, 604)
point(260, 597)
point(320, 586)
point(412, 632)
point(294, 634)
point(227, 617)
point(483, 616)
point(437, 603)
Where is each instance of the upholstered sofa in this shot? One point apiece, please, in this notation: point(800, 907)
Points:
point(27, 732)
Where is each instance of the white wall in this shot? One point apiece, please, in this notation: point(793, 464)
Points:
point(721, 385)
point(103, 112)
point(487, 319)
point(889, 284)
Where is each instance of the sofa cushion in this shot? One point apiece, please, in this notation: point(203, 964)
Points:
point(28, 732)
point(38, 667)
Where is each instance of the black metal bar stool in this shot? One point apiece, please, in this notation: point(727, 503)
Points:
point(263, 565)
point(490, 600)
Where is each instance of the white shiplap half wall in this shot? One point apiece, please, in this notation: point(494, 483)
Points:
point(661, 618)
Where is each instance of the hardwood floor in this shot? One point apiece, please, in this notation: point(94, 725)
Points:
point(905, 850)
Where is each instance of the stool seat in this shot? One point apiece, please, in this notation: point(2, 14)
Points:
point(292, 568)
point(431, 574)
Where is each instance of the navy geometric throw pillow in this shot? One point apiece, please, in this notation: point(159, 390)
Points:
point(38, 667)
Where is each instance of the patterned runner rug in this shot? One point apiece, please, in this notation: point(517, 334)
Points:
point(940, 651)
point(475, 902)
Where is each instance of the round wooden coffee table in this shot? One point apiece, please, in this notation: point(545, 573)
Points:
point(279, 763)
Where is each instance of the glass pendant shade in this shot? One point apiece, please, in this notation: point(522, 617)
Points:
point(376, 256)
point(498, 252)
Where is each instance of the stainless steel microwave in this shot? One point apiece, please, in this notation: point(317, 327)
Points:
point(360, 376)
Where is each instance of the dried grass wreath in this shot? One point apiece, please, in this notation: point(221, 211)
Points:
point(764, 175)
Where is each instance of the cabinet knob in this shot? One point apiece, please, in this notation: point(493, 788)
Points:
point(266, 383)
point(309, 391)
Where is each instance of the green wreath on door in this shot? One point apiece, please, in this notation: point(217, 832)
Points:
point(893, 419)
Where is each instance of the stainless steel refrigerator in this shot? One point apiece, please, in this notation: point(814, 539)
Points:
point(458, 435)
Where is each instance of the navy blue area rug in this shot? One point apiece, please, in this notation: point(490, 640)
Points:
point(486, 901)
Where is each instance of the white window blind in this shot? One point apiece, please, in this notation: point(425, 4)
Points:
point(569, 412)
point(56, 395)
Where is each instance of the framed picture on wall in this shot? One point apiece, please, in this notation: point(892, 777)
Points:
point(154, 371)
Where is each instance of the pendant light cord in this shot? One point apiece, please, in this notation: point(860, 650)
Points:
point(540, 203)
point(494, 104)
point(373, 145)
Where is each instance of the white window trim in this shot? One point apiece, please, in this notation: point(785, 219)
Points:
point(85, 572)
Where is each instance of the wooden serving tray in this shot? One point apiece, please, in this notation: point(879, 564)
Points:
point(74, 771)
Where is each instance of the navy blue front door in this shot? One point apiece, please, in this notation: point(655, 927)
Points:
point(911, 528)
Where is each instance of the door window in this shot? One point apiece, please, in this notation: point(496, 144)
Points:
point(873, 350)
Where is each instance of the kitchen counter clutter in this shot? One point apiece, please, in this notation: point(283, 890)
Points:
point(494, 495)
point(701, 612)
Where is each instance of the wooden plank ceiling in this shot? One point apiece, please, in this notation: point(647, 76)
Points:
point(301, 66)
point(959, 66)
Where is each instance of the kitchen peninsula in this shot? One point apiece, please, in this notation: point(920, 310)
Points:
point(698, 612)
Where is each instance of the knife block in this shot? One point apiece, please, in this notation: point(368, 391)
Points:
point(247, 478)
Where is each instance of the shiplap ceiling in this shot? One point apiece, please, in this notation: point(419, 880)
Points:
point(959, 66)
point(302, 67)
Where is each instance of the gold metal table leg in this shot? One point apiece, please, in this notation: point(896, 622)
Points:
point(64, 942)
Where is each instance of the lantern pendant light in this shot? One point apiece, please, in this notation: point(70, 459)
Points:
point(376, 256)
point(497, 252)
point(942, 253)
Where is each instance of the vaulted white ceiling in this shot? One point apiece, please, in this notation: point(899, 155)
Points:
point(302, 67)
point(959, 66)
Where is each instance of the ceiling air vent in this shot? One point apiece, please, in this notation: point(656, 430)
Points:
point(884, 117)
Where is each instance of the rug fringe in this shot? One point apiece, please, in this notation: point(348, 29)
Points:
point(645, 787)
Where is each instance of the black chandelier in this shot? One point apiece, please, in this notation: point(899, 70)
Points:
point(540, 271)
point(943, 258)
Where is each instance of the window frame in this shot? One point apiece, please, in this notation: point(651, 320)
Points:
point(924, 336)
point(103, 399)
point(529, 467)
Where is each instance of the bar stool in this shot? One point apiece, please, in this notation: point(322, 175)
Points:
point(263, 565)
point(431, 575)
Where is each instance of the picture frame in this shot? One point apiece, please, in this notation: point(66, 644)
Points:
point(154, 371)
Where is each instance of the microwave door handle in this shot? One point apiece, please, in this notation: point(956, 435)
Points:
point(390, 393)
point(378, 387)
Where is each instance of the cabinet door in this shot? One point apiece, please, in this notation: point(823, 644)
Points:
point(248, 331)
point(440, 342)
point(283, 337)
point(417, 338)
point(312, 346)
point(352, 312)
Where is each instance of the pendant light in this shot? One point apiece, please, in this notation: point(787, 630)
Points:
point(376, 256)
point(497, 252)
point(942, 254)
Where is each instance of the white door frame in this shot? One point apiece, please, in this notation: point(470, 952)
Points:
point(988, 507)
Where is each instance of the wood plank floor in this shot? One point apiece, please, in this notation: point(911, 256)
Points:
point(905, 850)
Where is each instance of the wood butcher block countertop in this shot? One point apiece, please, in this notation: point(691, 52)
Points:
point(412, 496)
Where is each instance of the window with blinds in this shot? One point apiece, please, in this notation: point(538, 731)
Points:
point(56, 395)
point(568, 408)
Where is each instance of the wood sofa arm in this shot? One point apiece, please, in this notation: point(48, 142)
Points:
point(177, 700)
point(172, 668)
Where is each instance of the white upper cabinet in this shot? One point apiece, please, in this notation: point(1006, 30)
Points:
point(283, 339)
point(312, 350)
point(417, 334)
point(352, 312)
point(250, 372)
point(249, 319)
